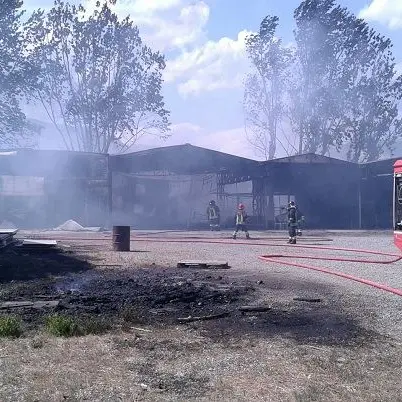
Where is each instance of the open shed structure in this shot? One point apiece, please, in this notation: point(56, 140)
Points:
point(326, 191)
point(170, 187)
point(42, 189)
point(376, 184)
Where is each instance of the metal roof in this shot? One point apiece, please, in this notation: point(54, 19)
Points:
point(308, 158)
point(182, 159)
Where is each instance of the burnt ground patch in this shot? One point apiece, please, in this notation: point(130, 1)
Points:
point(158, 297)
point(16, 264)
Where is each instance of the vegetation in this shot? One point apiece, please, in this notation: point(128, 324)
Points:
point(65, 326)
point(10, 326)
point(99, 84)
point(15, 76)
point(59, 325)
point(337, 88)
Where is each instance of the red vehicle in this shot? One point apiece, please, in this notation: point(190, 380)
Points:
point(397, 214)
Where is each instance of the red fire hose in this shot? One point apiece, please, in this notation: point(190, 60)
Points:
point(277, 258)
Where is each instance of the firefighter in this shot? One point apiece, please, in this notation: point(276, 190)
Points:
point(292, 222)
point(214, 216)
point(241, 218)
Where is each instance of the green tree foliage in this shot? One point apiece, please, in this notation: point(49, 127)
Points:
point(265, 87)
point(343, 92)
point(98, 82)
point(14, 77)
point(348, 90)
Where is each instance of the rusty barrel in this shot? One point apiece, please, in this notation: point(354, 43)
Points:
point(121, 238)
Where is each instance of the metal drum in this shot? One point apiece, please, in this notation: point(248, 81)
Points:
point(121, 238)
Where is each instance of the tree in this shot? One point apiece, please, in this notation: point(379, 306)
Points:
point(99, 84)
point(347, 90)
point(14, 76)
point(372, 116)
point(264, 88)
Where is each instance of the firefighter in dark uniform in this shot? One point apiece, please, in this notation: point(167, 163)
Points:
point(214, 216)
point(292, 222)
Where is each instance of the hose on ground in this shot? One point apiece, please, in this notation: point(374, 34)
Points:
point(278, 258)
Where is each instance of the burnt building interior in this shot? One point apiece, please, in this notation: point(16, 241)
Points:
point(42, 189)
point(170, 187)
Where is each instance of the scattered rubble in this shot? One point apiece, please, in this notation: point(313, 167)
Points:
point(7, 237)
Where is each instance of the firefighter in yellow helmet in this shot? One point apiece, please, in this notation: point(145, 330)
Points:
point(241, 218)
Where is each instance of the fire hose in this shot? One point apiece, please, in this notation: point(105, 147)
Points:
point(278, 258)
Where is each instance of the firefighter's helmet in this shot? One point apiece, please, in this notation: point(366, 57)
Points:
point(212, 202)
point(292, 204)
point(241, 206)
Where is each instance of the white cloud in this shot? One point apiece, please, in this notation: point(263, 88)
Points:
point(184, 28)
point(164, 24)
point(388, 12)
point(198, 65)
point(215, 65)
point(149, 6)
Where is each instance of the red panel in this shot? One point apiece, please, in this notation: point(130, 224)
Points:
point(398, 240)
point(398, 166)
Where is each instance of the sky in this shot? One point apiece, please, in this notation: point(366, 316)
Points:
point(203, 41)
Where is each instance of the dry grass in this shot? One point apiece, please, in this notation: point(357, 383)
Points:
point(178, 365)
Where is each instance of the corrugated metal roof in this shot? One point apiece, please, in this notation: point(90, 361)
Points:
point(308, 158)
point(181, 159)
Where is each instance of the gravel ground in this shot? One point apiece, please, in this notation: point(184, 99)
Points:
point(244, 261)
point(346, 347)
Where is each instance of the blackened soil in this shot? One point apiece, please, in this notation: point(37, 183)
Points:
point(160, 297)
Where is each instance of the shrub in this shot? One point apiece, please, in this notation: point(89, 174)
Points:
point(10, 326)
point(59, 325)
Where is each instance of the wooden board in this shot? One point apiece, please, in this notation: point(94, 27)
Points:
point(203, 264)
point(33, 242)
point(28, 304)
point(8, 231)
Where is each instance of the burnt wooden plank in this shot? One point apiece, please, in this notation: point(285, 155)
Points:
point(203, 264)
